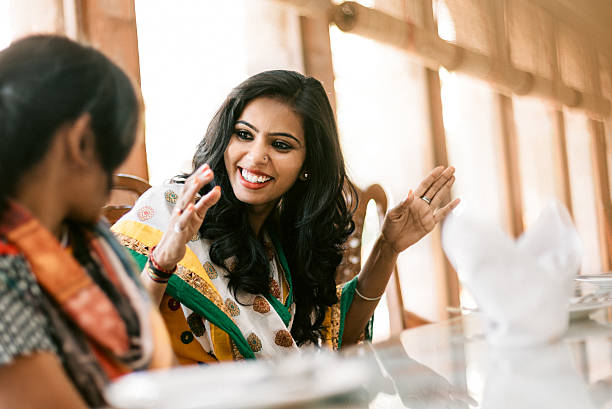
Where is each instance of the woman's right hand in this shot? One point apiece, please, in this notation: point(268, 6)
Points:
point(186, 218)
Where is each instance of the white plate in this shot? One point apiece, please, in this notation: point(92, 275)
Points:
point(581, 307)
point(252, 384)
point(601, 280)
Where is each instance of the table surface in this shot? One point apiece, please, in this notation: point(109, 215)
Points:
point(437, 366)
point(450, 365)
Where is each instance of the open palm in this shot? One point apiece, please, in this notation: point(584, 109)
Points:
point(420, 212)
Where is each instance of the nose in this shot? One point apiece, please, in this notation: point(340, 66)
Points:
point(259, 152)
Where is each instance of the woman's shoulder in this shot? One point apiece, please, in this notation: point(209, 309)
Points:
point(24, 327)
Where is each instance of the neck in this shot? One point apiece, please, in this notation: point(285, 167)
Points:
point(42, 200)
point(258, 215)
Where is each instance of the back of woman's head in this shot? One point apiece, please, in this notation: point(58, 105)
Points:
point(314, 217)
point(48, 81)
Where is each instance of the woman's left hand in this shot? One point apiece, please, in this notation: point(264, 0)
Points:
point(420, 212)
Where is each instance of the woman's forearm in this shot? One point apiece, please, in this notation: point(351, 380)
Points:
point(372, 282)
point(154, 289)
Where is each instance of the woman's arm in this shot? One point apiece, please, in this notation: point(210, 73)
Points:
point(403, 226)
point(37, 381)
point(184, 223)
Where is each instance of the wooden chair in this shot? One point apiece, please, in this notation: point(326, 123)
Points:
point(126, 190)
point(350, 266)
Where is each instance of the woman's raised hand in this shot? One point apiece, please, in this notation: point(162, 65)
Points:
point(186, 219)
point(419, 213)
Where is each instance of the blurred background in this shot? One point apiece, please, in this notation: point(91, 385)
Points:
point(514, 93)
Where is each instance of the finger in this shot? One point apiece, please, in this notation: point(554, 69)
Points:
point(207, 201)
point(443, 194)
point(193, 185)
point(443, 212)
point(180, 226)
point(439, 183)
point(428, 181)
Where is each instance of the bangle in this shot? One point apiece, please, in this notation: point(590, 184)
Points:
point(155, 272)
point(157, 267)
point(156, 275)
point(368, 298)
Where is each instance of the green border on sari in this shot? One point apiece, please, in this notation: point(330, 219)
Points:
point(346, 299)
point(195, 301)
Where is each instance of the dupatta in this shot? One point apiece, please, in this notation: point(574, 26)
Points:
point(99, 316)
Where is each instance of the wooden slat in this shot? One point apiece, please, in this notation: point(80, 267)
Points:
point(561, 158)
point(511, 185)
point(447, 283)
point(110, 26)
point(316, 48)
point(561, 161)
point(511, 178)
point(602, 191)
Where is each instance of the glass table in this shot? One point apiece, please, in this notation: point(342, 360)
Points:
point(450, 365)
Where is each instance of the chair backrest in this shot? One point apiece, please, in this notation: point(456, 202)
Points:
point(351, 261)
point(126, 190)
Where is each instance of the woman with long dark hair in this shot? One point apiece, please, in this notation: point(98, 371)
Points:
point(73, 313)
point(247, 269)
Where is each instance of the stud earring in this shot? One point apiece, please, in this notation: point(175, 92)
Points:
point(304, 176)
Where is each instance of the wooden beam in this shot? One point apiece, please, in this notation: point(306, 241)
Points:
point(433, 52)
point(110, 26)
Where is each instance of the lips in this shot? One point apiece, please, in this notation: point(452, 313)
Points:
point(253, 179)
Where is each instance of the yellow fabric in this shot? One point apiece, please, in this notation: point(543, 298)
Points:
point(175, 320)
point(190, 353)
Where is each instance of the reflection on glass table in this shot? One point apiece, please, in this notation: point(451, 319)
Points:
point(450, 365)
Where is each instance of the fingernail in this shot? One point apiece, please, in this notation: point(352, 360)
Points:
point(207, 173)
point(180, 211)
point(204, 167)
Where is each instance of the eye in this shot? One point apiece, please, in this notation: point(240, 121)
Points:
point(243, 134)
point(282, 145)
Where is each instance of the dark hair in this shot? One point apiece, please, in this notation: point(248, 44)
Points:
point(47, 81)
point(313, 218)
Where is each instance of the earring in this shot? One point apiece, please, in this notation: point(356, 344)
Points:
point(304, 176)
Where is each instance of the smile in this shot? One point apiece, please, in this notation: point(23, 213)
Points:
point(254, 179)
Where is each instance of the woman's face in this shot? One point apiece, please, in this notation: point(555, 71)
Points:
point(266, 152)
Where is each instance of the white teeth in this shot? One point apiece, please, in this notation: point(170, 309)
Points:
point(251, 177)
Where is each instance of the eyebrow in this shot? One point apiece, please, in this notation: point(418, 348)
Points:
point(288, 135)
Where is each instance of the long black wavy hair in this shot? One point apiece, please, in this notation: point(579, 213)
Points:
point(313, 217)
point(47, 81)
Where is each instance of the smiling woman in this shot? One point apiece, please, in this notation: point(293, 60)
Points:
point(265, 155)
point(248, 270)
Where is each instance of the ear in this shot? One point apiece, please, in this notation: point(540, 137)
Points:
point(304, 175)
point(81, 149)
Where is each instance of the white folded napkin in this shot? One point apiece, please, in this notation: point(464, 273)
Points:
point(523, 287)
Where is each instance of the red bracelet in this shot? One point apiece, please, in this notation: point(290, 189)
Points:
point(156, 266)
